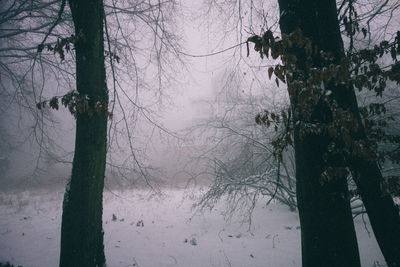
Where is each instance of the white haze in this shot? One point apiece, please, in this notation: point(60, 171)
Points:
point(30, 198)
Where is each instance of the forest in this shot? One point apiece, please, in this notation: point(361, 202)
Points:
point(199, 133)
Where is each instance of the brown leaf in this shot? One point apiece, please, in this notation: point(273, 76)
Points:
point(54, 103)
point(270, 71)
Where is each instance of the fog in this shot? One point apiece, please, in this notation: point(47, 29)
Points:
point(39, 153)
point(183, 119)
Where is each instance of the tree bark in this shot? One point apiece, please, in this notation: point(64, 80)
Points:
point(81, 230)
point(327, 229)
point(323, 28)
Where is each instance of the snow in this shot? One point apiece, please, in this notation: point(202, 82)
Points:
point(150, 230)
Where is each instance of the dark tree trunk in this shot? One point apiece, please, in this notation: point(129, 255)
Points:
point(81, 231)
point(327, 229)
point(318, 21)
point(381, 210)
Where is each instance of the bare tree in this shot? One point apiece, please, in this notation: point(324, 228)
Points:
point(238, 153)
point(142, 51)
point(43, 40)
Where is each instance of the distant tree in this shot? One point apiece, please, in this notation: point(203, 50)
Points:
point(239, 152)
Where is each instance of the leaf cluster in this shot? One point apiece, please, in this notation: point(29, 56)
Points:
point(313, 81)
point(367, 73)
point(62, 45)
point(77, 104)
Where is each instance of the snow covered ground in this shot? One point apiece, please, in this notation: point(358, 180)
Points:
point(146, 231)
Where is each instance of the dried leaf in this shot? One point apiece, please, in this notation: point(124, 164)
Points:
point(364, 31)
point(270, 71)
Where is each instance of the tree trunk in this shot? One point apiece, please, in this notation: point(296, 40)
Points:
point(382, 212)
point(81, 230)
point(327, 229)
